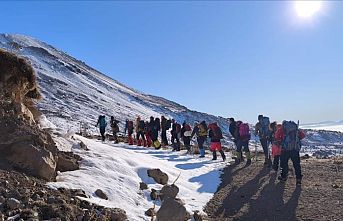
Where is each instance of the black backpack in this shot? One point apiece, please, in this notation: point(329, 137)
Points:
point(291, 139)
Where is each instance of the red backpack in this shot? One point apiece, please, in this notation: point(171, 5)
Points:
point(244, 131)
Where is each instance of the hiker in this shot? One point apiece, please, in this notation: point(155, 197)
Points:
point(102, 126)
point(175, 135)
point(140, 126)
point(233, 131)
point(290, 137)
point(243, 135)
point(201, 131)
point(156, 127)
point(276, 145)
point(165, 125)
point(263, 132)
point(215, 134)
point(115, 128)
point(148, 129)
point(129, 127)
point(186, 132)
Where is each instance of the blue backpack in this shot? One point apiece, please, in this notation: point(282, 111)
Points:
point(265, 131)
point(291, 139)
point(102, 121)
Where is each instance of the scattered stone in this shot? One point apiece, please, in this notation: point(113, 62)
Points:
point(335, 186)
point(67, 161)
point(2, 199)
point(80, 193)
point(150, 212)
point(171, 210)
point(83, 146)
point(13, 203)
point(101, 194)
point(306, 156)
point(154, 194)
point(143, 186)
point(197, 216)
point(158, 176)
point(51, 200)
point(118, 215)
point(169, 191)
point(2, 217)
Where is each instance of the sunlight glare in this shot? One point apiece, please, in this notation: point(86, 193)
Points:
point(307, 9)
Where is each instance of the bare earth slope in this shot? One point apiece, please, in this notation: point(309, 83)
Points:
point(253, 193)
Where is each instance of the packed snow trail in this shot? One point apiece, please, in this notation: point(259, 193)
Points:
point(117, 169)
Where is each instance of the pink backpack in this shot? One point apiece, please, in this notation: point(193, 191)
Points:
point(244, 132)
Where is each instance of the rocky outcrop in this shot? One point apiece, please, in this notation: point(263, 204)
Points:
point(171, 210)
point(158, 176)
point(169, 191)
point(23, 145)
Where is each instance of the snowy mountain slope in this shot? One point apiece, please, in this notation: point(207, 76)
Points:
point(74, 92)
point(327, 125)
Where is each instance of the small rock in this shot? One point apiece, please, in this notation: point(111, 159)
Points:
point(118, 215)
point(83, 146)
point(51, 200)
point(13, 203)
point(335, 186)
point(150, 212)
point(143, 186)
point(2, 199)
point(2, 217)
point(101, 194)
point(153, 194)
point(197, 216)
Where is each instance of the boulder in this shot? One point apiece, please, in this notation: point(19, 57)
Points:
point(158, 176)
point(101, 194)
point(197, 216)
point(169, 191)
point(118, 215)
point(171, 210)
point(67, 161)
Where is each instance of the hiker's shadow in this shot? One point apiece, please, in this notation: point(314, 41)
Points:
point(270, 203)
point(237, 198)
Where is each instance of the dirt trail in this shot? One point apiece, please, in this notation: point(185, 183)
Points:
point(254, 193)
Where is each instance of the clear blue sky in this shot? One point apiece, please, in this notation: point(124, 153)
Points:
point(235, 59)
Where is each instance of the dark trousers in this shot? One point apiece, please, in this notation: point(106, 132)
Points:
point(164, 137)
point(176, 146)
point(295, 157)
point(102, 132)
point(265, 145)
point(187, 142)
point(276, 162)
point(140, 134)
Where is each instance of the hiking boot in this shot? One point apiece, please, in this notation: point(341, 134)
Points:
point(282, 179)
point(201, 156)
point(214, 158)
point(298, 182)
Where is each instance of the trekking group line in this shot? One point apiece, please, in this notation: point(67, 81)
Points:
point(284, 139)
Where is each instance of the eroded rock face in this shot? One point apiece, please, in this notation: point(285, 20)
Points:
point(159, 176)
point(171, 210)
point(23, 144)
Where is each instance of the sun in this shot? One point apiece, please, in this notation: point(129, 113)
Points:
point(306, 9)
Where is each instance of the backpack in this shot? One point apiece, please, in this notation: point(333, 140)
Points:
point(265, 132)
point(141, 125)
point(102, 121)
point(202, 129)
point(114, 126)
point(217, 133)
point(188, 128)
point(291, 139)
point(168, 124)
point(244, 131)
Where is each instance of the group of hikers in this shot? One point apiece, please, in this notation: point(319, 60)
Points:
point(284, 139)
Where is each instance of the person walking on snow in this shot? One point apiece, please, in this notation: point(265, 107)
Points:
point(140, 126)
point(165, 125)
point(290, 137)
point(115, 128)
point(129, 127)
point(201, 131)
point(156, 127)
point(102, 126)
point(263, 132)
point(215, 134)
point(186, 132)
